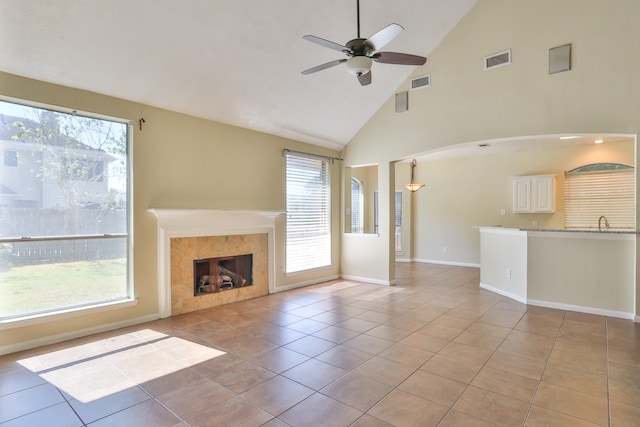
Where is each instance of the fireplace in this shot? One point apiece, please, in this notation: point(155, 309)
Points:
point(219, 274)
point(186, 236)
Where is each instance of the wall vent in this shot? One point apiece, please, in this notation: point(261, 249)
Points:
point(402, 102)
point(497, 60)
point(420, 82)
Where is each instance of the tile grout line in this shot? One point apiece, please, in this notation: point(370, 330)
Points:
point(483, 365)
point(606, 335)
point(546, 364)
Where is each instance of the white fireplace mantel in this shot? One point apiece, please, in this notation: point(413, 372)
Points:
point(175, 223)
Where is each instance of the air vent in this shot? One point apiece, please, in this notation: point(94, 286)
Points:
point(420, 82)
point(497, 60)
point(402, 102)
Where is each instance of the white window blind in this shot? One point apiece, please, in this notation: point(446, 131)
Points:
point(357, 206)
point(596, 190)
point(308, 236)
point(398, 221)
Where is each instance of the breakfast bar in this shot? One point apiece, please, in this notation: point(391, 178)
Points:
point(585, 271)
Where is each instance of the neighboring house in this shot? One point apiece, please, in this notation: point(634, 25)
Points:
point(35, 175)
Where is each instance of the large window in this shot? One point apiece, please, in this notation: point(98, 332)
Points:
point(308, 240)
point(64, 222)
point(600, 195)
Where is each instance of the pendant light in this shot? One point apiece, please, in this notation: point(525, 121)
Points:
point(412, 186)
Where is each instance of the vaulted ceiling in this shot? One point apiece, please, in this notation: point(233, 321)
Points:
point(237, 62)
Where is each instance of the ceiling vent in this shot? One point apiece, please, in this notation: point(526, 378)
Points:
point(497, 60)
point(420, 82)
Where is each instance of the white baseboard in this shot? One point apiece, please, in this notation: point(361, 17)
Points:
point(368, 280)
point(53, 339)
point(306, 283)
point(562, 306)
point(582, 309)
point(504, 293)
point(441, 262)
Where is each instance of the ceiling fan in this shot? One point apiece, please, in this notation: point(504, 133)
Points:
point(362, 52)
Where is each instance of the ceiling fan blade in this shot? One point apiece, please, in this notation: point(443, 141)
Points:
point(326, 43)
point(384, 36)
point(324, 66)
point(365, 79)
point(398, 58)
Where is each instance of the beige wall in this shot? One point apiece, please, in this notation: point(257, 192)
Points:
point(558, 272)
point(501, 249)
point(465, 103)
point(179, 162)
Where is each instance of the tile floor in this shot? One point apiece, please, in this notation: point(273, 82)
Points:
point(435, 350)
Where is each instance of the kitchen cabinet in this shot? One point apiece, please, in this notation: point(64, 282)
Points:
point(534, 194)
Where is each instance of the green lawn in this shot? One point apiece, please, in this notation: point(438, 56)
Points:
point(35, 288)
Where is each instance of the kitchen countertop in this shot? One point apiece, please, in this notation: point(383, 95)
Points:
point(563, 230)
point(558, 230)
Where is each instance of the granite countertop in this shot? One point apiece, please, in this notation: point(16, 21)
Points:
point(563, 230)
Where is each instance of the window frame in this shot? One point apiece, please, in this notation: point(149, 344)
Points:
point(74, 310)
point(321, 224)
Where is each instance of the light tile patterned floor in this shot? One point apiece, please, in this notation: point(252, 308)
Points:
point(434, 350)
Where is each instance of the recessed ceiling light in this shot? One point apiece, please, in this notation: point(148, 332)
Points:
point(598, 141)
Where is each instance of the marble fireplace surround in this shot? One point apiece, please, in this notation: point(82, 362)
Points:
point(181, 223)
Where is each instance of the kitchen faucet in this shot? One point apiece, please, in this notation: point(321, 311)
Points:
point(606, 222)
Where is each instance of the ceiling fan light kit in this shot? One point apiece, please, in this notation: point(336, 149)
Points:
point(359, 65)
point(362, 52)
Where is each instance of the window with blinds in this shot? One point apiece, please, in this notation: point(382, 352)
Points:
point(398, 221)
point(357, 206)
point(308, 235)
point(599, 189)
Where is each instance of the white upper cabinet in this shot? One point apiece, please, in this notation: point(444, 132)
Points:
point(534, 194)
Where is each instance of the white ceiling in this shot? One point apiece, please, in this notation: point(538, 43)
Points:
point(236, 62)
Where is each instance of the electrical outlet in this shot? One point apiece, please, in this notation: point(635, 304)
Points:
point(503, 212)
point(508, 273)
point(445, 250)
point(535, 224)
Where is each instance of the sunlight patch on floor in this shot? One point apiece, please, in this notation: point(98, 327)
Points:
point(100, 368)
